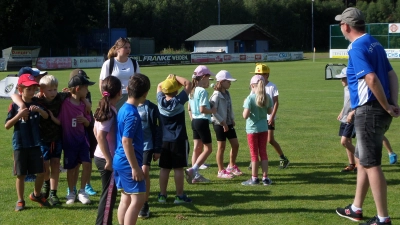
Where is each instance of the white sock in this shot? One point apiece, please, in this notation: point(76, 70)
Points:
point(382, 219)
point(355, 209)
point(195, 167)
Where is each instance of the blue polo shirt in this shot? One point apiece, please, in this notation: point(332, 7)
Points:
point(366, 55)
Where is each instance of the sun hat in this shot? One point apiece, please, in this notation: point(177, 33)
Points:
point(170, 85)
point(342, 74)
point(224, 75)
point(256, 78)
point(27, 80)
point(352, 16)
point(261, 68)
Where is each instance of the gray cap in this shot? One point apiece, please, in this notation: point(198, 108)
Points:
point(352, 16)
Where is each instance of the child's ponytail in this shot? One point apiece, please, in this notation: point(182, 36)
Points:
point(110, 88)
point(261, 96)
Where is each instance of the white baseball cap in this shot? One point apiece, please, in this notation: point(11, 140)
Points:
point(224, 75)
point(40, 72)
point(342, 74)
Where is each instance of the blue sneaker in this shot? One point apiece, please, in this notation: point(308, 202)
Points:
point(250, 182)
point(89, 190)
point(393, 158)
point(30, 178)
point(182, 199)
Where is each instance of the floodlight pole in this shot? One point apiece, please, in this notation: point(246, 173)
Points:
point(109, 28)
point(312, 25)
point(219, 14)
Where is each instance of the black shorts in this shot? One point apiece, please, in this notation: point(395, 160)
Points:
point(91, 138)
point(270, 127)
point(221, 135)
point(201, 130)
point(148, 157)
point(347, 130)
point(174, 154)
point(28, 161)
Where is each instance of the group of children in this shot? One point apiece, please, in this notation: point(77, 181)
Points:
point(130, 137)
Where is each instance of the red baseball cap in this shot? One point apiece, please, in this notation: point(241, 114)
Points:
point(27, 80)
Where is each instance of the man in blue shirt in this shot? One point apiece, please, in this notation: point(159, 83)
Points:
point(373, 87)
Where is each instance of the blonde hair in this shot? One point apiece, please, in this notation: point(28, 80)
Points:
point(195, 82)
point(48, 81)
point(218, 86)
point(261, 96)
point(120, 43)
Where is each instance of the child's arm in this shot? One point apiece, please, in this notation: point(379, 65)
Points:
point(88, 105)
point(43, 113)
point(350, 116)
point(103, 145)
point(214, 100)
point(187, 85)
point(340, 114)
point(22, 113)
point(137, 173)
point(54, 119)
point(158, 134)
point(274, 110)
point(16, 98)
point(246, 113)
point(204, 110)
point(269, 111)
point(190, 112)
point(246, 110)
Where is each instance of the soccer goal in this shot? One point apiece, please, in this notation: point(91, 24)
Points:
point(331, 70)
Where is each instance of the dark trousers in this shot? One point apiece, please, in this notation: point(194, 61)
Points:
point(105, 208)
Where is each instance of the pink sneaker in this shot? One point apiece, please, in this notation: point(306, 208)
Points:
point(224, 174)
point(234, 170)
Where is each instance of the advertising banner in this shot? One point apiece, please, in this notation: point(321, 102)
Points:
point(54, 63)
point(21, 54)
point(162, 59)
point(8, 86)
point(246, 57)
point(87, 62)
point(342, 53)
point(394, 27)
point(3, 65)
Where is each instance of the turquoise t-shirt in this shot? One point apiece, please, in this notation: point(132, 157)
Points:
point(257, 120)
point(200, 98)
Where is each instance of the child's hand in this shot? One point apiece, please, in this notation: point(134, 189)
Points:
point(226, 128)
point(23, 113)
point(51, 114)
point(137, 175)
point(34, 108)
point(108, 166)
point(156, 156)
point(213, 110)
point(65, 90)
point(88, 108)
point(22, 108)
point(81, 119)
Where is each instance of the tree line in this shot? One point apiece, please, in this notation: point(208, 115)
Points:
point(58, 25)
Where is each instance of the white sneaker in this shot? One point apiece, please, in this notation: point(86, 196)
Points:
point(204, 166)
point(83, 197)
point(71, 198)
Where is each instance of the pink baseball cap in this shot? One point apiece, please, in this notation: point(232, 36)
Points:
point(201, 71)
point(256, 78)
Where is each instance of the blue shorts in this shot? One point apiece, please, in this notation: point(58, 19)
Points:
point(347, 130)
point(125, 183)
point(371, 122)
point(51, 150)
point(72, 157)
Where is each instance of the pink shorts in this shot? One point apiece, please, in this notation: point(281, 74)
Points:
point(258, 145)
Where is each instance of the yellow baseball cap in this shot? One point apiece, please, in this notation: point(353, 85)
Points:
point(261, 68)
point(170, 85)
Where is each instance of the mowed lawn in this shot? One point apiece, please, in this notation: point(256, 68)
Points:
point(307, 192)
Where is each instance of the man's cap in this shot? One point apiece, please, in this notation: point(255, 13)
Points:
point(342, 74)
point(224, 75)
point(352, 16)
point(256, 78)
point(79, 80)
point(170, 85)
point(261, 68)
point(78, 72)
point(40, 72)
point(27, 80)
point(28, 70)
point(201, 71)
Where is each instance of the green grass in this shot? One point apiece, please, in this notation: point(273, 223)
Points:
point(307, 192)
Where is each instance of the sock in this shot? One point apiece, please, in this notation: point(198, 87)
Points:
point(282, 156)
point(355, 209)
point(264, 178)
point(253, 178)
point(53, 192)
point(382, 219)
point(195, 167)
point(47, 182)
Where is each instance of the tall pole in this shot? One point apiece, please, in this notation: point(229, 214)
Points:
point(109, 27)
point(312, 25)
point(219, 12)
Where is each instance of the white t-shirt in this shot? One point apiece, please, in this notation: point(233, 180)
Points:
point(123, 71)
point(272, 91)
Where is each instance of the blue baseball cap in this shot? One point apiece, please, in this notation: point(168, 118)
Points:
point(28, 70)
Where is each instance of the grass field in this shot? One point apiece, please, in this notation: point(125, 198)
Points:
point(307, 192)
